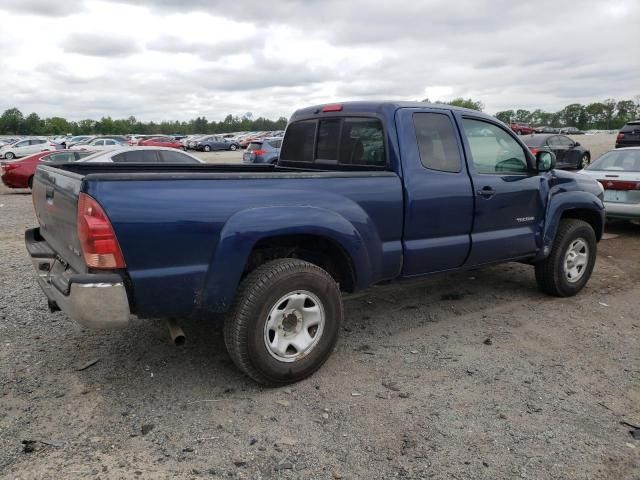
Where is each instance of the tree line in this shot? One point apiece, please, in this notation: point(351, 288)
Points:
point(14, 122)
point(609, 114)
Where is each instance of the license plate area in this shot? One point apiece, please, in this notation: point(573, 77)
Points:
point(620, 196)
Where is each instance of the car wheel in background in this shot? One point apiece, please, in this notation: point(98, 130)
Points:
point(207, 148)
point(284, 322)
point(9, 155)
point(569, 265)
point(584, 161)
point(233, 147)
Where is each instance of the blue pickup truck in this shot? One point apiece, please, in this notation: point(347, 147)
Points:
point(363, 192)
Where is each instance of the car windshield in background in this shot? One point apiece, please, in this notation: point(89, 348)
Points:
point(618, 160)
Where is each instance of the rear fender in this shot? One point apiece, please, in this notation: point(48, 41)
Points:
point(246, 228)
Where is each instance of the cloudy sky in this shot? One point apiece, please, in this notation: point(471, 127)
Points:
point(177, 59)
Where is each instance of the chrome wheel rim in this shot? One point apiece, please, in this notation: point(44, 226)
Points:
point(576, 260)
point(294, 326)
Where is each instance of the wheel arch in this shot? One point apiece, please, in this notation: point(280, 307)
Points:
point(252, 237)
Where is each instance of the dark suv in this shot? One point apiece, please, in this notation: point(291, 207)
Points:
point(629, 135)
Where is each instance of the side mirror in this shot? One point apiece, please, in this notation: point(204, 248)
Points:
point(545, 161)
point(576, 144)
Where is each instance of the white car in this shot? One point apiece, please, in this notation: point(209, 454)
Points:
point(619, 173)
point(141, 155)
point(25, 147)
point(98, 144)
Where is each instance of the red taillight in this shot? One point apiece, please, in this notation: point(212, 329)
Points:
point(332, 108)
point(534, 150)
point(259, 152)
point(97, 239)
point(9, 166)
point(619, 185)
point(620, 136)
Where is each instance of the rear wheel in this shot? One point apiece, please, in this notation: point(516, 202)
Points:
point(568, 267)
point(30, 182)
point(207, 148)
point(284, 322)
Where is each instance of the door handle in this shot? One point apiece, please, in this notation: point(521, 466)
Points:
point(486, 192)
point(48, 193)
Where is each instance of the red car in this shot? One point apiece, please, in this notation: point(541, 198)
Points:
point(161, 142)
point(521, 128)
point(19, 173)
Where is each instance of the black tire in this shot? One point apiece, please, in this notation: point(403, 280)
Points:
point(207, 148)
point(233, 147)
point(30, 182)
point(584, 161)
point(551, 273)
point(9, 155)
point(245, 330)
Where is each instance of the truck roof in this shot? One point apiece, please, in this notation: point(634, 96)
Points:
point(379, 107)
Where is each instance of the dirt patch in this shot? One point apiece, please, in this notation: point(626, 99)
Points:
point(467, 375)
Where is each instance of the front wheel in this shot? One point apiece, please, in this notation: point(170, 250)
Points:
point(233, 148)
point(9, 155)
point(284, 322)
point(584, 162)
point(207, 148)
point(568, 267)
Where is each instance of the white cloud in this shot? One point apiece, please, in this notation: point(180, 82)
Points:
point(176, 59)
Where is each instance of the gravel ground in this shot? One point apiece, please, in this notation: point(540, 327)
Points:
point(473, 375)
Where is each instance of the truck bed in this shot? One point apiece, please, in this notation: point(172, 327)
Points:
point(186, 231)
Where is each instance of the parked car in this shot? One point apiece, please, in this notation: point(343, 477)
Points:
point(141, 155)
point(19, 173)
point(619, 173)
point(191, 141)
point(98, 144)
point(25, 147)
point(629, 135)
point(521, 128)
point(363, 193)
point(263, 151)
point(161, 142)
point(545, 129)
point(571, 131)
point(73, 141)
point(216, 142)
point(569, 154)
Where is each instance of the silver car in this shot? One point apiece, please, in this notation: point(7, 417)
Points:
point(141, 155)
point(619, 173)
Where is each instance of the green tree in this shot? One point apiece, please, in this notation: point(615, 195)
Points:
point(506, 116)
point(33, 124)
point(11, 121)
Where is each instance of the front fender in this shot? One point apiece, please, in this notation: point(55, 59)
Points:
point(246, 228)
point(559, 204)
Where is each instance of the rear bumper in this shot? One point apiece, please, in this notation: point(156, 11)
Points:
point(93, 300)
point(629, 211)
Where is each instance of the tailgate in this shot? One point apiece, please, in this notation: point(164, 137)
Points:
point(55, 199)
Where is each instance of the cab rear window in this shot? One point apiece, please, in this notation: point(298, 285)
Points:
point(342, 141)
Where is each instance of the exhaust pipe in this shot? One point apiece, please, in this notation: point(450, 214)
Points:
point(176, 333)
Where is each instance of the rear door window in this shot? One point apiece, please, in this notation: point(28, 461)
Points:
point(136, 156)
point(437, 142)
point(253, 146)
point(168, 156)
point(275, 143)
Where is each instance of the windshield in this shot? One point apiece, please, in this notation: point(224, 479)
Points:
point(618, 160)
